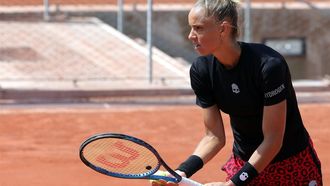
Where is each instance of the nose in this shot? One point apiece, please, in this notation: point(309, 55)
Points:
point(191, 35)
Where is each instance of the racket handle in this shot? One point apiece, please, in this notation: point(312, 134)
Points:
point(189, 182)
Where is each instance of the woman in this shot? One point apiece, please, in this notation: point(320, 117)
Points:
point(251, 83)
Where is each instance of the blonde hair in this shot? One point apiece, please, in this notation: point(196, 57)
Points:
point(221, 10)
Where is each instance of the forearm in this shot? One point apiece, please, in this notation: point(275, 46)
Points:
point(214, 138)
point(209, 146)
point(261, 157)
point(273, 130)
point(265, 153)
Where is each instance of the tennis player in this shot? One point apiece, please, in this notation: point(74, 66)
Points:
point(250, 82)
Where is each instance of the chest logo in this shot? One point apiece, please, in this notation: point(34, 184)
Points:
point(235, 88)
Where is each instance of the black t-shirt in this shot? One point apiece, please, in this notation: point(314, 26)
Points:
point(261, 78)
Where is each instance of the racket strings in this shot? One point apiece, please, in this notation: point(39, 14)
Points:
point(120, 156)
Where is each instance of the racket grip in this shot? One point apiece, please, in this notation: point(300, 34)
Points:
point(189, 182)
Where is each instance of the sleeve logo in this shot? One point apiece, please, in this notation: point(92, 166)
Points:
point(275, 92)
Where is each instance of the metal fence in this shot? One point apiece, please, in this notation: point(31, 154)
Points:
point(73, 43)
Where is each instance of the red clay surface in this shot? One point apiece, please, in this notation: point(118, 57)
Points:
point(39, 147)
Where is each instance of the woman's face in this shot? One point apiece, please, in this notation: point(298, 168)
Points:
point(205, 33)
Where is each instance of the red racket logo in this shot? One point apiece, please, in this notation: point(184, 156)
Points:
point(122, 159)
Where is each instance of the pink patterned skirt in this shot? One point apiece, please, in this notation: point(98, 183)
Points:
point(301, 169)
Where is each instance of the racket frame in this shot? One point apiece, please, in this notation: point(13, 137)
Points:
point(148, 175)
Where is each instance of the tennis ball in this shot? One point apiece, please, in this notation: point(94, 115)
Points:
point(161, 173)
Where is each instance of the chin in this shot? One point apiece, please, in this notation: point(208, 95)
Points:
point(203, 53)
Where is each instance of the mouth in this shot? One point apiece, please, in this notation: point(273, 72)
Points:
point(196, 46)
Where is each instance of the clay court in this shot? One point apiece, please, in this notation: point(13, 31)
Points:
point(40, 144)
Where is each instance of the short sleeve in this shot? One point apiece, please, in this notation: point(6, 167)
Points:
point(275, 77)
point(201, 82)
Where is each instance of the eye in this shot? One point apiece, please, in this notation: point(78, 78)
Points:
point(198, 29)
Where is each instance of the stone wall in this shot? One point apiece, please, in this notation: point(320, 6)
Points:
point(170, 31)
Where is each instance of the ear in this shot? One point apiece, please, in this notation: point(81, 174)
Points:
point(222, 28)
point(225, 27)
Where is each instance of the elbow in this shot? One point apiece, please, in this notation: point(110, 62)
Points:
point(221, 143)
point(279, 145)
point(275, 144)
point(218, 142)
point(278, 142)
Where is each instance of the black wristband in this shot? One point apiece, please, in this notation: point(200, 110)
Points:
point(245, 175)
point(191, 165)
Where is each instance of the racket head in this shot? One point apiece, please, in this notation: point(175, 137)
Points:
point(122, 156)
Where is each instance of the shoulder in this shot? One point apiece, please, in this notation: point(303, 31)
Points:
point(268, 57)
point(202, 65)
point(263, 51)
point(203, 62)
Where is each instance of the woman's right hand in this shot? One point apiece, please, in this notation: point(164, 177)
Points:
point(166, 183)
point(163, 183)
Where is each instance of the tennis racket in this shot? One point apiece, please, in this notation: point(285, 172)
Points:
point(124, 156)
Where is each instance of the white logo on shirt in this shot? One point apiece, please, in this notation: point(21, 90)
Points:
point(275, 92)
point(235, 88)
point(244, 176)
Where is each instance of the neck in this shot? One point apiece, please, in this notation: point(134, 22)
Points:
point(230, 55)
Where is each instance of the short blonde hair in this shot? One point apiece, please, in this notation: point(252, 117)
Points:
point(221, 10)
